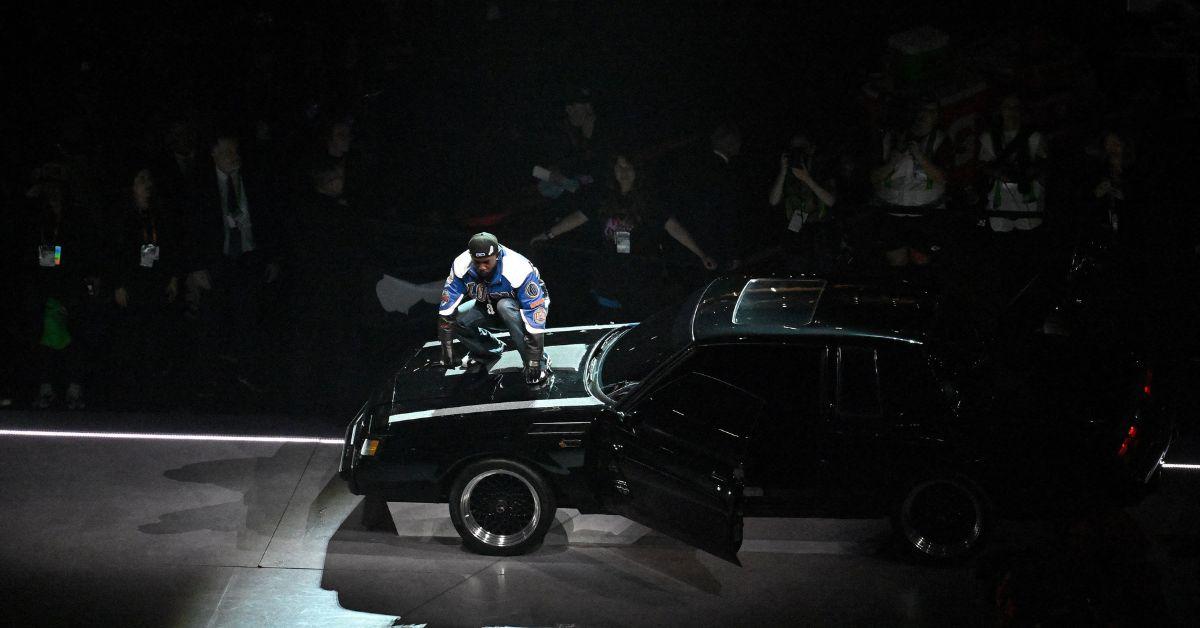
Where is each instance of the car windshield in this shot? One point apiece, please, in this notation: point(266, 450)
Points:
point(638, 351)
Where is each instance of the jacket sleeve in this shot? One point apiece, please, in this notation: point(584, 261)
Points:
point(452, 294)
point(535, 303)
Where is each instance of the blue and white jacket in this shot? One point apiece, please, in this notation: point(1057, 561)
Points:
point(514, 277)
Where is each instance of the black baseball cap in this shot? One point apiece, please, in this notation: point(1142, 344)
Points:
point(483, 244)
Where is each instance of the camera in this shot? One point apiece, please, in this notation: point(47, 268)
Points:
point(797, 157)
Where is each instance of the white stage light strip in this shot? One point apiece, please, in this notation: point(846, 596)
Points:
point(184, 437)
point(1177, 465)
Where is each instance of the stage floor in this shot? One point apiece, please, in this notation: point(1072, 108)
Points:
point(196, 533)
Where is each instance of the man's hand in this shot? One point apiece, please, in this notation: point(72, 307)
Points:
point(199, 280)
point(709, 263)
point(802, 174)
point(783, 162)
point(541, 237)
point(121, 296)
point(1103, 188)
point(914, 149)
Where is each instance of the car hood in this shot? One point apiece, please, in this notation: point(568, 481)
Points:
point(421, 384)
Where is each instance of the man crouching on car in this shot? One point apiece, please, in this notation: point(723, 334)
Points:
point(492, 288)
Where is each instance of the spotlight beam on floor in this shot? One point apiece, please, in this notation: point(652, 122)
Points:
point(313, 440)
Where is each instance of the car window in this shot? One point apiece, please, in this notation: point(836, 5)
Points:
point(701, 409)
point(858, 382)
point(641, 349)
point(907, 382)
point(788, 377)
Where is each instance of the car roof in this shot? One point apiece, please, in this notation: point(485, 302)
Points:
point(744, 306)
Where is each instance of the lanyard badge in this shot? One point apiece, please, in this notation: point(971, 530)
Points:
point(623, 240)
point(49, 256)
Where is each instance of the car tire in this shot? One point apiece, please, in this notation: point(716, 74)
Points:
point(942, 518)
point(501, 507)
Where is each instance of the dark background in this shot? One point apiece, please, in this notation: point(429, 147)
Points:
point(451, 108)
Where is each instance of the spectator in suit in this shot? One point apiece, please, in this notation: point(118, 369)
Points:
point(324, 264)
point(709, 199)
point(232, 261)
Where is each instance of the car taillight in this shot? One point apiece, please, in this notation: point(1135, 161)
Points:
point(1130, 439)
point(1147, 381)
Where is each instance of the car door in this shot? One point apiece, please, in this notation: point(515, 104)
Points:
point(885, 406)
point(786, 464)
point(675, 460)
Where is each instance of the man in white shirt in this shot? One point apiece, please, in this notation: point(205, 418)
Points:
point(1013, 156)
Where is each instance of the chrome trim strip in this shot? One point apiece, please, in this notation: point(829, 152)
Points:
point(495, 407)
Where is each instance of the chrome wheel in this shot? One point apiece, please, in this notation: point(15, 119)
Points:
point(942, 518)
point(500, 508)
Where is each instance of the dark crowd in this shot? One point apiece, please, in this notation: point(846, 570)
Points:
point(248, 210)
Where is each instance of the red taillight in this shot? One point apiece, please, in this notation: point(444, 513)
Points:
point(1130, 439)
point(1147, 381)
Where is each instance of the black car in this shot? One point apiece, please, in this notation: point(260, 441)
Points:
point(764, 396)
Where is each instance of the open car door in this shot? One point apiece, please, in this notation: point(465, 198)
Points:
point(675, 461)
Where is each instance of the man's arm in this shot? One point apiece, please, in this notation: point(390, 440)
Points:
point(452, 295)
point(684, 237)
point(776, 194)
point(823, 192)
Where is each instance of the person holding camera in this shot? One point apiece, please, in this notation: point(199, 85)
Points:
point(910, 184)
point(808, 194)
point(492, 288)
point(1013, 156)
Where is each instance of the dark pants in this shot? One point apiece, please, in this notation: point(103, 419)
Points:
point(229, 318)
point(1012, 260)
point(82, 321)
point(146, 347)
point(474, 328)
point(324, 350)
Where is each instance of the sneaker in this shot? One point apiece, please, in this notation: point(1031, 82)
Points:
point(75, 397)
point(45, 398)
